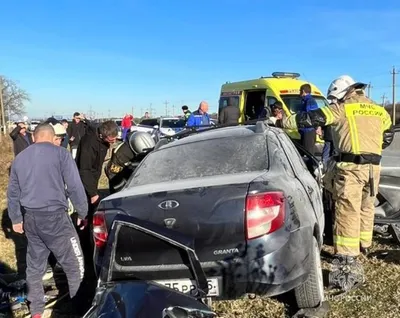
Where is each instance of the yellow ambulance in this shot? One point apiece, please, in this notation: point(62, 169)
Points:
point(252, 96)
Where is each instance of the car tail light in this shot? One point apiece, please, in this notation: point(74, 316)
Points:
point(99, 229)
point(265, 213)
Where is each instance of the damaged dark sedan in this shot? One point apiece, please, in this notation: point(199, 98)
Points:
point(247, 197)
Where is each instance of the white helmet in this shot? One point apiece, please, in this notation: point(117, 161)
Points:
point(340, 86)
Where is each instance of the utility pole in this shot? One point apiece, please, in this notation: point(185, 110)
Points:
point(173, 110)
point(383, 99)
point(166, 107)
point(3, 116)
point(3, 119)
point(109, 114)
point(151, 110)
point(394, 73)
point(369, 87)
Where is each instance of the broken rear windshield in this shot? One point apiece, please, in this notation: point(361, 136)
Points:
point(206, 158)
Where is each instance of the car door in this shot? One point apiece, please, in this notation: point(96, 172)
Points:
point(118, 287)
point(311, 188)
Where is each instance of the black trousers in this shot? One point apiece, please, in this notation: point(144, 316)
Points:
point(51, 232)
point(308, 140)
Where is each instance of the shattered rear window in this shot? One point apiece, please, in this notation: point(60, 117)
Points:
point(206, 158)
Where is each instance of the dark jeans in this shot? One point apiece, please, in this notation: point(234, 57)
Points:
point(51, 232)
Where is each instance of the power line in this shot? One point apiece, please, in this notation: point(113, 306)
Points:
point(369, 87)
point(166, 107)
point(383, 99)
point(394, 73)
point(151, 110)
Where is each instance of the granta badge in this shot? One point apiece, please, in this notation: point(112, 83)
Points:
point(168, 205)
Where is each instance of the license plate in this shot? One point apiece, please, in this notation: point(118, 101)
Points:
point(189, 286)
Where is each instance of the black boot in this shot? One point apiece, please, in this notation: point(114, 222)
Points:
point(364, 250)
point(346, 273)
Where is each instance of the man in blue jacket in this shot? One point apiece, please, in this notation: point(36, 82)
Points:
point(199, 117)
point(308, 135)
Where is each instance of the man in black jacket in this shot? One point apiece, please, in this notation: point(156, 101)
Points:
point(230, 114)
point(75, 131)
point(21, 138)
point(92, 151)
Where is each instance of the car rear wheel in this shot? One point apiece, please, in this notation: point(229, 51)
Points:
point(311, 293)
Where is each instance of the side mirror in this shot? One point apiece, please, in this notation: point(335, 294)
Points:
point(183, 312)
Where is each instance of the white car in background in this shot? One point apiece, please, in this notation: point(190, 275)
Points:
point(168, 126)
point(33, 124)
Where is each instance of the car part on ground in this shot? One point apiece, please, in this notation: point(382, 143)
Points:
point(120, 293)
point(244, 193)
point(13, 297)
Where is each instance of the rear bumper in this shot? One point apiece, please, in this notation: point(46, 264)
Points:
point(273, 265)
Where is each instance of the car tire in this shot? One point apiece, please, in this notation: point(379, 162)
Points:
point(311, 293)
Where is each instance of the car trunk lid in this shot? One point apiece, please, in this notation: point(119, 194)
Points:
point(212, 210)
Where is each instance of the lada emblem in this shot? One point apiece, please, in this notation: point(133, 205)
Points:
point(168, 205)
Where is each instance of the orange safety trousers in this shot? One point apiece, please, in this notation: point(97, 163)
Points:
point(354, 207)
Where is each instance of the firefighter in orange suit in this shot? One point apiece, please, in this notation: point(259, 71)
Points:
point(360, 131)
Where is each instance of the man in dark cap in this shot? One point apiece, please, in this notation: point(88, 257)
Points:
point(186, 112)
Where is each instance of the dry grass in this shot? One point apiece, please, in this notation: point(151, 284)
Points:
point(7, 252)
point(379, 298)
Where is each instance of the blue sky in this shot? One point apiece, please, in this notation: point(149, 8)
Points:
point(117, 54)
